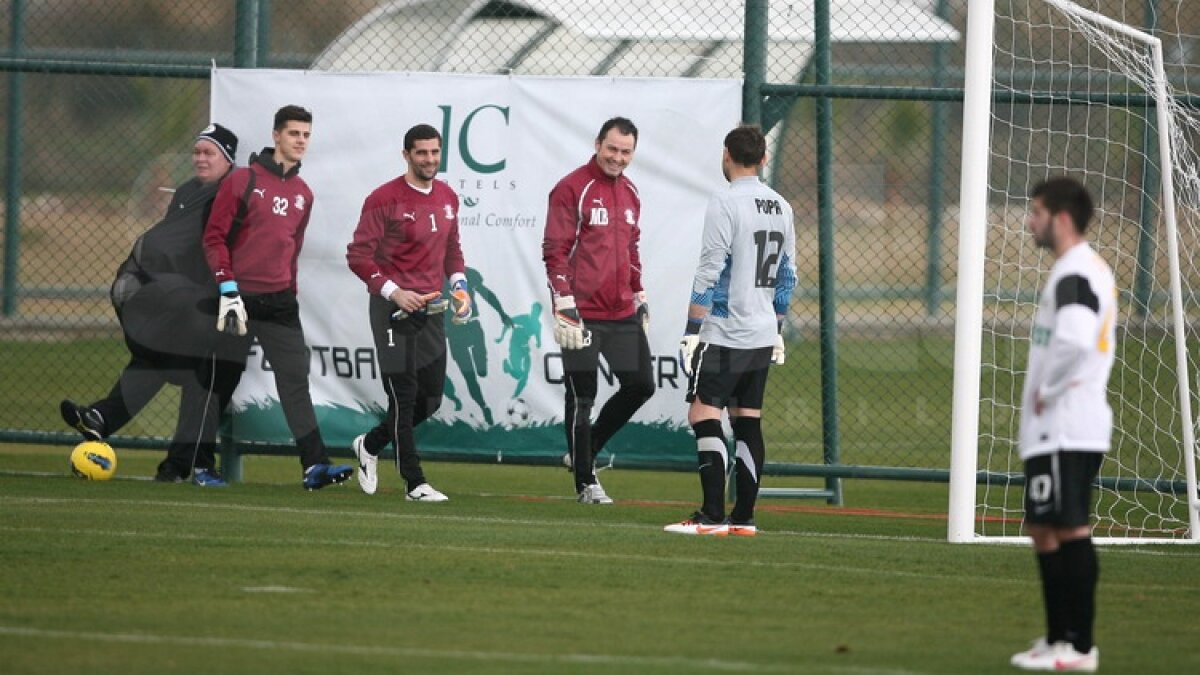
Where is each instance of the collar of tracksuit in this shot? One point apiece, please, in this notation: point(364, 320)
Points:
point(266, 159)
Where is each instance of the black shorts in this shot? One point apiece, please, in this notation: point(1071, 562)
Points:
point(727, 377)
point(1058, 488)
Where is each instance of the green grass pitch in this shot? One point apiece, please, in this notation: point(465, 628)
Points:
point(510, 576)
point(894, 397)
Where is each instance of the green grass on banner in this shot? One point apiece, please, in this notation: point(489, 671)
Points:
point(511, 576)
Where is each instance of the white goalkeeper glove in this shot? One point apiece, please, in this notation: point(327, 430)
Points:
point(643, 310)
point(778, 353)
point(688, 344)
point(460, 299)
point(231, 315)
point(569, 332)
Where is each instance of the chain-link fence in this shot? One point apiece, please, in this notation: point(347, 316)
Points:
point(102, 100)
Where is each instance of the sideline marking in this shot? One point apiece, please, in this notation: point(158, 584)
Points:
point(689, 561)
point(454, 654)
point(1132, 549)
point(274, 589)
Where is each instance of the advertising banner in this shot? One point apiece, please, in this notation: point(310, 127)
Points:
point(506, 141)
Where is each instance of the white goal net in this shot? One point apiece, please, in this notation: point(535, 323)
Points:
point(1077, 93)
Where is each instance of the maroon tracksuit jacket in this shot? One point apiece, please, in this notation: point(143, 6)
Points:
point(590, 245)
point(262, 257)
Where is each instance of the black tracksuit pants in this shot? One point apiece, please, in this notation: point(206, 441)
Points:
point(193, 445)
point(624, 346)
point(412, 365)
point(274, 318)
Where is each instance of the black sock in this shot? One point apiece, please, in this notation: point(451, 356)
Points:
point(1053, 595)
point(749, 456)
point(1081, 571)
point(711, 455)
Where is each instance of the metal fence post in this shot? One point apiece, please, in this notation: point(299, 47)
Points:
point(1144, 278)
point(754, 62)
point(754, 69)
point(246, 40)
point(937, 157)
point(12, 186)
point(826, 270)
point(263, 36)
point(245, 34)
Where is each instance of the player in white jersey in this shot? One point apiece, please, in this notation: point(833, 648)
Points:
point(740, 295)
point(1066, 422)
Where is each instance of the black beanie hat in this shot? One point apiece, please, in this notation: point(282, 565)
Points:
point(223, 138)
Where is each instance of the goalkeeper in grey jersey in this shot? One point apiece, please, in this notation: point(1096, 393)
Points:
point(740, 296)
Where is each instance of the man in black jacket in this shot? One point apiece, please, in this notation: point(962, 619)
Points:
point(166, 302)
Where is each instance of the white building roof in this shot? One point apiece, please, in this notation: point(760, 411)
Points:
point(670, 38)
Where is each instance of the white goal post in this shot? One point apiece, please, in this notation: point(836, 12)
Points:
point(1053, 88)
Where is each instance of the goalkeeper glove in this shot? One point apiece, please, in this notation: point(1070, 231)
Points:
point(688, 344)
point(422, 305)
point(643, 310)
point(435, 306)
point(778, 352)
point(569, 332)
point(461, 301)
point(231, 314)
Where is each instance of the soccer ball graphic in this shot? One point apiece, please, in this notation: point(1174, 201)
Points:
point(93, 460)
point(518, 412)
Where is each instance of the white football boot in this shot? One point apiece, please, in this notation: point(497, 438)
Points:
point(368, 466)
point(593, 494)
point(425, 493)
point(1061, 657)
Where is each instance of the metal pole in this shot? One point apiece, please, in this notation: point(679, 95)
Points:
point(754, 60)
point(245, 34)
point(12, 186)
point(754, 68)
point(245, 55)
point(937, 157)
point(1143, 280)
point(972, 245)
point(1187, 429)
point(825, 264)
point(264, 34)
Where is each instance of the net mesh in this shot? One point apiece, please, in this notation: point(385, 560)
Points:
point(1075, 98)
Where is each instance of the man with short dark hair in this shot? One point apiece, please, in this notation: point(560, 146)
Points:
point(1066, 422)
point(594, 269)
point(405, 249)
point(252, 244)
point(166, 301)
point(740, 298)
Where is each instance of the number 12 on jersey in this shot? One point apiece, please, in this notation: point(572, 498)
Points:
point(769, 245)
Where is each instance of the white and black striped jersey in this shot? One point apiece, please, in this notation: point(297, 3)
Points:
point(746, 272)
point(1071, 354)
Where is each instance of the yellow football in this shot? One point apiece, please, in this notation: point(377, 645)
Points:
point(93, 460)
